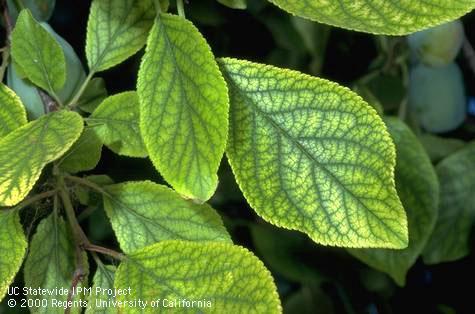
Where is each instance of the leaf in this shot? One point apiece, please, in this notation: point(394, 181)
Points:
point(84, 155)
point(143, 213)
point(25, 151)
point(440, 147)
point(116, 30)
point(103, 279)
point(93, 95)
point(234, 4)
point(12, 112)
point(13, 246)
point(51, 263)
point(418, 188)
point(450, 239)
point(230, 277)
point(38, 54)
point(116, 122)
point(390, 17)
point(40, 9)
point(312, 156)
point(183, 107)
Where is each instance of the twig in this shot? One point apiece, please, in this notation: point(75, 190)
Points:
point(78, 277)
point(87, 183)
point(105, 251)
point(33, 200)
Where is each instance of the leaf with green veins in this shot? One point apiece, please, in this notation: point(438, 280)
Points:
point(116, 30)
point(438, 147)
point(51, 263)
point(390, 17)
point(38, 54)
point(228, 276)
point(93, 95)
point(143, 213)
point(312, 156)
point(25, 151)
point(450, 239)
point(103, 279)
point(418, 188)
point(183, 107)
point(13, 246)
point(84, 155)
point(234, 4)
point(12, 113)
point(116, 122)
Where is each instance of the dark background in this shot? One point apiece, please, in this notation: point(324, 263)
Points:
point(337, 281)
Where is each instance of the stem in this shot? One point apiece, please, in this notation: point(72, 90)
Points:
point(81, 90)
point(87, 183)
point(105, 251)
point(34, 199)
point(6, 49)
point(180, 8)
point(158, 7)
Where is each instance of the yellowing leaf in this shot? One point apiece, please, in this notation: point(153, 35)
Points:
point(143, 213)
point(183, 107)
point(229, 277)
point(38, 54)
point(25, 151)
point(12, 247)
point(312, 156)
point(116, 30)
point(12, 112)
point(418, 187)
point(391, 17)
point(116, 122)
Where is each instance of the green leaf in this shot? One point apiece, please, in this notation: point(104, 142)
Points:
point(234, 4)
point(40, 9)
point(183, 107)
point(38, 54)
point(103, 279)
point(25, 151)
point(116, 122)
point(93, 95)
point(143, 213)
point(418, 188)
point(390, 17)
point(12, 113)
point(51, 263)
point(116, 30)
point(230, 277)
point(13, 246)
point(450, 239)
point(440, 147)
point(312, 156)
point(84, 155)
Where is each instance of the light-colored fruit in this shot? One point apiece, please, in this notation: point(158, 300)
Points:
point(437, 96)
point(438, 46)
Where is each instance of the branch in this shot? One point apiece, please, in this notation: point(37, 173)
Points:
point(33, 200)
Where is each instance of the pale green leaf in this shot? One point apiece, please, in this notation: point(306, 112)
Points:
point(234, 4)
point(450, 239)
point(230, 277)
point(38, 54)
point(13, 247)
point(51, 263)
point(440, 147)
point(12, 112)
point(25, 151)
point(418, 188)
point(103, 279)
point(116, 122)
point(116, 30)
point(312, 156)
point(183, 107)
point(391, 17)
point(84, 155)
point(143, 213)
